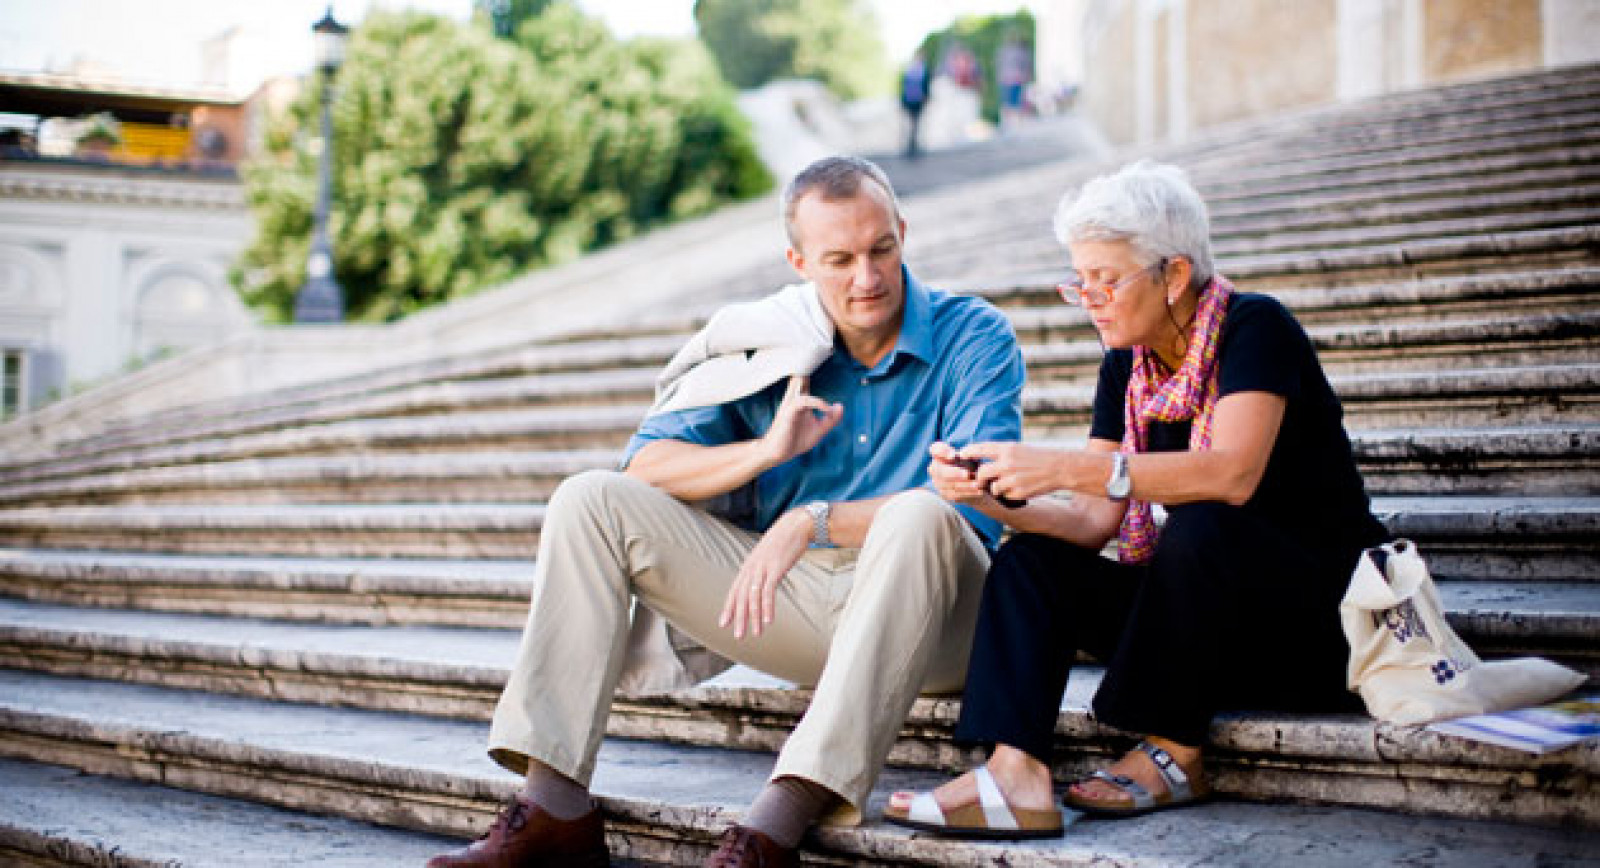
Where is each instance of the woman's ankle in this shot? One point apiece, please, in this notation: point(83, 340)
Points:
point(1022, 777)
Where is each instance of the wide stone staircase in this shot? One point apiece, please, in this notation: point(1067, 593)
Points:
point(271, 630)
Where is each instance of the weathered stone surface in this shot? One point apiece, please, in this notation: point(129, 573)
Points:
point(663, 801)
point(57, 815)
point(457, 673)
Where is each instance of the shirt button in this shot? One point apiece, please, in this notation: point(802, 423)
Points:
point(863, 381)
point(861, 439)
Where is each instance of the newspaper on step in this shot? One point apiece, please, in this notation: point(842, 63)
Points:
point(1539, 729)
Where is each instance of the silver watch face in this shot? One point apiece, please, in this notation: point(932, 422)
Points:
point(1120, 483)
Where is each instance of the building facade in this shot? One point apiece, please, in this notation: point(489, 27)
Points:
point(114, 255)
point(1161, 70)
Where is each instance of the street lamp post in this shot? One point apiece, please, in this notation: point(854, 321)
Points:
point(320, 299)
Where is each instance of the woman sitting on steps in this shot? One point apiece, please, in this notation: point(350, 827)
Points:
point(1213, 404)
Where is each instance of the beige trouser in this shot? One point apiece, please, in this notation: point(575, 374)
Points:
point(870, 629)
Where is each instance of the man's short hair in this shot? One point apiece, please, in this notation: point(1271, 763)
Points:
point(832, 178)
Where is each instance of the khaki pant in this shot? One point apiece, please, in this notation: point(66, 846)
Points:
point(869, 628)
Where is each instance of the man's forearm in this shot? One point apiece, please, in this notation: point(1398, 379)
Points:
point(850, 520)
point(689, 471)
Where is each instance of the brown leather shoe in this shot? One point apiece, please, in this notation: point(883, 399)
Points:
point(747, 848)
point(524, 836)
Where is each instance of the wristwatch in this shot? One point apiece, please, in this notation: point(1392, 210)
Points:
point(1119, 485)
point(820, 509)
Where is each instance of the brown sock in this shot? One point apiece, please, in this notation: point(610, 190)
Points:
point(560, 796)
point(787, 807)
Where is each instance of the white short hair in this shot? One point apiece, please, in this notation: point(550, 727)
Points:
point(1151, 206)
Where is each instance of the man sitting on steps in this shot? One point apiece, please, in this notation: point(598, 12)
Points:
point(850, 575)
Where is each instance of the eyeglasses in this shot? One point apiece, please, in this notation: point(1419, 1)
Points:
point(1076, 290)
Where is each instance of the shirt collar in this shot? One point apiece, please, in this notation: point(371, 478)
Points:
point(916, 325)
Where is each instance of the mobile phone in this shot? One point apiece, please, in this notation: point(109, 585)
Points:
point(971, 465)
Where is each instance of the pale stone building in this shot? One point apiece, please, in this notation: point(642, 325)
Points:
point(111, 258)
point(1161, 70)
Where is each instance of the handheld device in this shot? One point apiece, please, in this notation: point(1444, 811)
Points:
point(971, 465)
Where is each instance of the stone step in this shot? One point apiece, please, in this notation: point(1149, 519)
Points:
point(665, 802)
point(1555, 615)
point(1262, 159)
point(1499, 188)
point(1471, 457)
point(428, 530)
point(1552, 461)
point(554, 365)
point(602, 388)
point(1566, 290)
point(1496, 201)
point(1290, 144)
point(1525, 342)
point(456, 671)
point(463, 477)
point(1468, 536)
point(1381, 383)
point(1359, 262)
point(1036, 311)
point(564, 428)
point(1357, 199)
point(480, 592)
point(1351, 349)
point(1512, 149)
point(55, 815)
point(1524, 395)
point(1509, 252)
point(1544, 210)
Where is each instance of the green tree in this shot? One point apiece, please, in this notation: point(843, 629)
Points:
point(462, 159)
point(983, 35)
point(833, 41)
point(505, 16)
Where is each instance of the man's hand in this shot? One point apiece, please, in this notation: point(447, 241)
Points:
point(800, 423)
point(952, 479)
point(1015, 470)
point(752, 599)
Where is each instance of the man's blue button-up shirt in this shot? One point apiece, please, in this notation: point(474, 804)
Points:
point(955, 375)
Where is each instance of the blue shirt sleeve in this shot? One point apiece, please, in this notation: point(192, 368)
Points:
point(704, 426)
point(986, 399)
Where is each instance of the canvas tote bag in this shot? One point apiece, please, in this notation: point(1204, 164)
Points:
point(1407, 663)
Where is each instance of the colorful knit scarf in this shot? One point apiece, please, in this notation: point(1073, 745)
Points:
point(1156, 396)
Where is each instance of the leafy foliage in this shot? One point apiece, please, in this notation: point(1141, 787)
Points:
point(461, 159)
point(983, 35)
point(505, 16)
point(832, 41)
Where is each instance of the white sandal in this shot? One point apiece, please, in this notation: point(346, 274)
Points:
point(988, 817)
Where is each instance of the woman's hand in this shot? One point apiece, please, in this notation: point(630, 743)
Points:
point(752, 599)
point(1016, 470)
point(951, 478)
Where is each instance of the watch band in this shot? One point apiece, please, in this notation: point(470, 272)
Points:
point(820, 510)
point(1120, 485)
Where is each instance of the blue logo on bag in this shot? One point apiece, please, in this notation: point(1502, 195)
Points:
point(1402, 621)
point(1443, 671)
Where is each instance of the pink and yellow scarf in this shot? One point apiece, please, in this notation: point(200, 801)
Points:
point(1154, 395)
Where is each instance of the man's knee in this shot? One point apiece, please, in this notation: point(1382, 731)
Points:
point(590, 488)
point(915, 515)
point(917, 524)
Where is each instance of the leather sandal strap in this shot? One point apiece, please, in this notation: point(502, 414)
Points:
point(1141, 796)
point(996, 812)
point(1177, 781)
